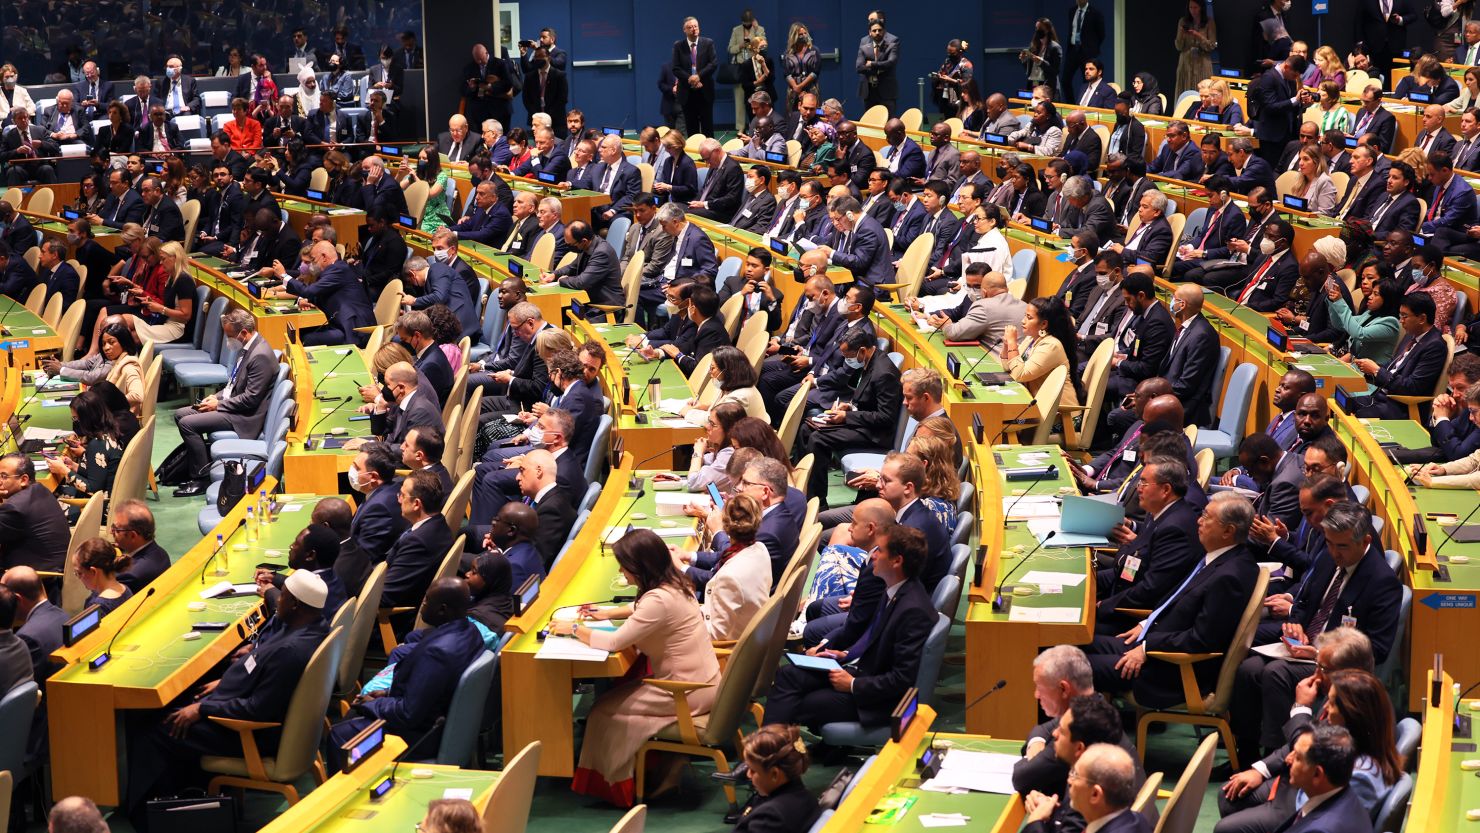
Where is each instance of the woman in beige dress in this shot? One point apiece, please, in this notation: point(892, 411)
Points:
point(1197, 37)
point(1048, 341)
point(667, 628)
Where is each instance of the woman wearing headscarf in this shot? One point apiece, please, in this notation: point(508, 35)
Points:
point(1146, 91)
point(491, 581)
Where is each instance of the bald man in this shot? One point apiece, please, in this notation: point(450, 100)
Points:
point(1111, 467)
point(38, 622)
point(457, 141)
point(1434, 136)
point(851, 541)
point(1193, 360)
point(989, 316)
point(337, 292)
point(554, 508)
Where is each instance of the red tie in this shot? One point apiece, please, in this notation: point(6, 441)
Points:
point(1434, 209)
point(1212, 224)
point(1254, 281)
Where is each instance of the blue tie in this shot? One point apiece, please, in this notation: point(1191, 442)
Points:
point(863, 643)
point(1146, 627)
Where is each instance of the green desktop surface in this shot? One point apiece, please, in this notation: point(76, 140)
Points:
point(405, 805)
point(639, 371)
point(338, 373)
point(983, 809)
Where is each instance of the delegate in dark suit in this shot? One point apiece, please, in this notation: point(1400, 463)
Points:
point(1256, 174)
point(681, 173)
point(866, 253)
point(869, 423)
point(382, 257)
point(412, 561)
point(789, 807)
point(42, 635)
point(1162, 554)
point(1220, 226)
point(1270, 282)
point(164, 222)
point(33, 529)
point(490, 226)
point(876, 64)
point(1381, 123)
point(596, 272)
point(1150, 338)
point(549, 97)
point(243, 410)
point(556, 513)
point(623, 186)
point(469, 143)
point(1455, 214)
point(377, 524)
point(1185, 164)
point(908, 225)
point(64, 281)
point(1388, 213)
point(1151, 244)
point(756, 212)
point(340, 295)
point(1382, 36)
point(1413, 371)
point(399, 420)
point(429, 665)
point(448, 288)
point(432, 364)
point(384, 195)
point(696, 59)
point(1277, 112)
point(695, 253)
point(146, 565)
point(911, 163)
point(1096, 216)
point(1190, 366)
point(722, 191)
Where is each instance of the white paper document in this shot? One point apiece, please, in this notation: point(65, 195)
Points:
point(569, 648)
point(1031, 506)
point(1045, 615)
point(46, 435)
point(673, 406)
point(1279, 650)
point(1049, 577)
point(938, 303)
point(615, 533)
point(989, 772)
point(944, 820)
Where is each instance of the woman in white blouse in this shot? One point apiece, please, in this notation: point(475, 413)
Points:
point(742, 577)
point(13, 95)
point(712, 451)
point(1315, 185)
point(990, 246)
point(735, 375)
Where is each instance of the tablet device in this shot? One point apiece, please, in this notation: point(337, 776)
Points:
point(814, 663)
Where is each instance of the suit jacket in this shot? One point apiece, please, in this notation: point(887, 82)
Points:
point(189, 93)
point(1167, 548)
point(1127, 198)
point(50, 118)
point(891, 661)
point(257, 370)
point(876, 399)
point(65, 281)
point(866, 253)
point(556, 94)
point(723, 190)
point(1185, 164)
point(429, 665)
point(42, 635)
point(1256, 173)
point(531, 377)
point(909, 224)
point(1190, 366)
point(1231, 224)
point(937, 543)
point(1456, 207)
point(1417, 373)
point(382, 258)
point(524, 232)
point(755, 212)
point(316, 130)
point(148, 564)
point(412, 561)
point(433, 364)
point(1271, 93)
point(1101, 96)
point(165, 222)
point(1133, 138)
point(422, 410)
point(144, 142)
point(489, 226)
point(274, 128)
point(1097, 216)
point(17, 280)
point(376, 526)
point(556, 514)
point(695, 253)
point(385, 194)
point(861, 161)
point(1152, 246)
point(260, 686)
point(944, 163)
point(1466, 154)
point(1273, 287)
point(34, 530)
point(625, 185)
point(876, 65)
point(448, 288)
point(42, 143)
point(1403, 213)
point(986, 320)
point(684, 66)
point(680, 172)
point(597, 272)
point(1381, 123)
point(1379, 32)
point(340, 295)
point(1443, 140)
point(469, 144)
point(1371, 593)
point(881, 209)
point(790, 807)
point(911, 163)
point(1343, 813)
point(82, 91)
point(1202, 618)
point(1090, 145)
point(221, 214)
point(1373, 190)
point(138, 112)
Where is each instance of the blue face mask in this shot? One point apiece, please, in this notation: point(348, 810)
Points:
point(853, 364)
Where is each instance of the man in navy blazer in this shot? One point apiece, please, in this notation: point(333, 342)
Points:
point(162, 218)
point(489, 222)
point(864, 247)
point(851, 149)
point(1097, 91)
point(615, 177)
point(1222, 223)
point(92, 93)
point(1276, 94)
point(1193, 356)
point(414, 329)
point(54, 271)
point(1364, 185)
point(440, 285)
point(1199, 615)
point(412, 404)
point(1155, 558)
point(1320, 766)
point(596, 269)
point(1178, 158)
point(693, 251)
point(339, 293)
point(872, 413)
point(1251, 171)
point(122, 207)
point(723, 189)
point(880, 646)
point(1451, 203)
point(380, 191)
point(695, 64)
point(545, 160)
point(904, 156)
point(1415, 366)
point(1272, 276)
point(1152, 240)
point(377, 522)
point(412, 561)
point(909, 214)
point(1396, 208)
point(329, 125)
point(1374, 119)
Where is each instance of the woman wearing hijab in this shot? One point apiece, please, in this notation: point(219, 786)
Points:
point(491, 581)
point(1146, 90)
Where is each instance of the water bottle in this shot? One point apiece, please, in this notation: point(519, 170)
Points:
point(251, 525)
point(264, 508)
point(222, 565)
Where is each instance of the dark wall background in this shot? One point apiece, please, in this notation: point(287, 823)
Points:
point(451, 31)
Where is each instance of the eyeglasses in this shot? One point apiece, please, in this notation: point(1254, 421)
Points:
point(748, 483)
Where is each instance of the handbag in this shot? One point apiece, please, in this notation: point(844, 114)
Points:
point(727, 74)
point(175, 470)
point(192, 813)
point(233, 485)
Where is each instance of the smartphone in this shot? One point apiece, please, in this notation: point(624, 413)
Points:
point(271, 567)
point(210, 626)
point(719, 501)
point(1291, 641)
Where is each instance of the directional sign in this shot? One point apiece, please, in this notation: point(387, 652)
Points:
point(1449, 601)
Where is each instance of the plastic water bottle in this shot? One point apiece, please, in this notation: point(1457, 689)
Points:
point(251, 525)
point(264, 509)
point(222, 566)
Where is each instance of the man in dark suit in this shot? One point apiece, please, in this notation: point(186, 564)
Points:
point(1320, 766)
point(1178, 158)
point(489, 222)
point(177, 88)
point(864, 247)
point(1144, 337)
point(526, 381)
point(1364, 185)
point(883, 642)
point(1222, 223)
point(1275, 94)
point(274, 241)
point(617, 178)
point(1153, 559)
point(850, 149)
point(1097, 91)
point(408, 406)
point(1348, 570)
point(414, 329)
point(545, 162)
point(1415, 367)
point(92, 94)
point(377, 522)
point(23, 141)
point(256, 687)
point(496, 482)
point(1083, 37)
point(904, 156)
point(1396, 208)
point(1384, 29)
point(158, 133)
point(1087, 211)
point(17, 278)
point(555, 509)
point(1250, 170)
point(329, 125)
point(133, 532)
point(720, 196)
point(594, 271)
point(439, 284)
point(878, 200)
point(34, 528)
point(241, 406)
point(708, 331)
point(877, 65)
point(1126, 183)
point(1101, 795)
point(422, 449)
point(1078, 136)
point(382, 254)
point(1466, 152)
point(870, 417)
point(142, 103)
point(767, 482)
point(286, 125)
point(1276, 474)
point(1452, 205)
point(339, 293)
point(1193, 355)
point(53, 271)
point(38, 621)
point(695, 63)
point(489, 84)
point(380, 190)
point(412, 560)
point(457, 142)
point(907, 212)
point(546, 89)
point(1373, 119)
point(162, 218)
point(222, 213)
point(1271, 276)
point(64, 123)
point(758, 206)
point(814, 321)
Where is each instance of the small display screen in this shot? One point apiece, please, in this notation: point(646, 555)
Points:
point(1297, 203)
point(314, 195)
point(516, 268)
point(546, 176)
point(363, 745)
point(778, 158)
point(82, 624)
point(953, 365)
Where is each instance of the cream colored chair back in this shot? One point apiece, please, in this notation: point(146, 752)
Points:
point(367, 606)
point(793, 152)
point(70, 328)
point(648, 175)
point(956, 126)
point(373, 343)
point(729, 312)
point(1016, 287)
point(732, 145)
point(467, 431)
point(455, 508)
point(1285, 184)
point(508, 806)
point(1096, 379)
point(452, 419)
point(190, 215)
point(1204, 460)
point(388, 305)
point(12, 196)
point(416, 198)
point(89, 525)
point(81, 278)
point(912, 119)
point(152, 376)
point(52, 312)
point(36, 301)
point(791, 421)
point(303, 725)
point(543, 252)
point(1182, 808)
point(42, 201)
point(632, 285)
point(752, 341)
point(692, 143)
point(456, 396)
point(913, 265)
point(1145, 802)
point(875, 116)
point(699, 379)
point(318, 180)
point(567, 259)
point(448, 568)
point(32, 257)
point(633, 822)
point(133, 466)
point(1238, 648)
point(1048, 403)
point(802, 471)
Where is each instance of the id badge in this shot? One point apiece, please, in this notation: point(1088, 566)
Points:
point(688, 261)
point(1348, 621)
point(1102, 329)
point(1132, 566)
point(250, 663)
point(1129, 455)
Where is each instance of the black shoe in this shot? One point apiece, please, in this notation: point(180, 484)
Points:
point(740, 774)
point(191, 489)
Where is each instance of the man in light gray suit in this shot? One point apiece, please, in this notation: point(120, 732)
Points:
point(241, 406)
point(943, 162)
point(989, 315)
point(1089, 211)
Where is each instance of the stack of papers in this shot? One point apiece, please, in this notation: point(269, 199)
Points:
point(939, 303)
point(1044, 615)
point(1030, 506)
point(569, 648)
point(48, 436)
point(615, 533)
point(1086, 522)
point(962, 769)
point(673, 406)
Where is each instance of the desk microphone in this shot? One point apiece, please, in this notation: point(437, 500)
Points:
point(636, 482)
point(308, 435)
point(1450, 536)
point(640, 416)
point(1001, 605)
point(315, 391)
point(1032, 403)
point(628, 511)
point(390, 780)
point(929, 763)
point(1412, 474)
point(102, 659)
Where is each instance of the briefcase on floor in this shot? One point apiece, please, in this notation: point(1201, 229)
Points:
point(192, 814)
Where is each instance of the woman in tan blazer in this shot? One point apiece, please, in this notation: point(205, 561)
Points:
point(1048, 341)
point(119, 347)
point(666, 626)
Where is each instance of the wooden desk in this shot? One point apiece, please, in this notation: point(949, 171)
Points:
point(326, 403)
point(273, 316)
point(345, 220)
point(652, 441)
point(1010, 639)
point(152, 664)
point(732, 242)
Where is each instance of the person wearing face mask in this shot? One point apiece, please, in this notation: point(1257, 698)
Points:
point(1273, 273)
point(177, 89)
point(1128, 136)
point(876, 65)
point(813, 323)
point(855, 405)
point(240, 406)
point(1222, 224)
point(755, 282)
point(402, 405)
point(709, 333)
point(337, 291)
point(758, 206)
point(12, 95)
point(377, 523)
point(830, 369)
point(496, 484)
point(1075, 291)
point(991, 310)
point(388, 74)
point(1193, 356)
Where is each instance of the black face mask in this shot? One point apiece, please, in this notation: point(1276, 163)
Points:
point(387, 394)
point(1001, 171)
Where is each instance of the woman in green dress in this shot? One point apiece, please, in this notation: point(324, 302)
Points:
point(824, 147)
point(438, 211)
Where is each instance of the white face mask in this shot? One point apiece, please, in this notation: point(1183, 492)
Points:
point(671, 307)
point(853, 364)
point(1266, 247)
point(355, 481)
point(1102, 279)
point(440, 255)
point(536, 436)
